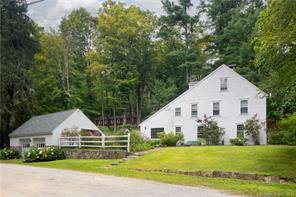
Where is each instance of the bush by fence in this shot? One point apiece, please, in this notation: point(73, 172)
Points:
point(44, 154)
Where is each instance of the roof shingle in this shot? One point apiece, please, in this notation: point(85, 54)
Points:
point(42, 125)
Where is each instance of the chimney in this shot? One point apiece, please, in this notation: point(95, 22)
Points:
point(232, 66)
point(191, 84)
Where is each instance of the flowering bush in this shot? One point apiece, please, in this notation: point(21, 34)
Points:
point(44, 154)
point(7, 153)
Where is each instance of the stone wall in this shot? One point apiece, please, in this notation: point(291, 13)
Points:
point(94, 154)
point(230, 175)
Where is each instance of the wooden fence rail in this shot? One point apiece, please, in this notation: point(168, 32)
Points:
point(115, 141)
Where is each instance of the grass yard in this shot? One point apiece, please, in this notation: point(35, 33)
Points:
point(276, 160)
point(270, 160)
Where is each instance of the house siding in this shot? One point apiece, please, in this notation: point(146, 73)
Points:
point(204, 94)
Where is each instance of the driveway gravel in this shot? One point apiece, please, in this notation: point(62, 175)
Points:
point(18, 181)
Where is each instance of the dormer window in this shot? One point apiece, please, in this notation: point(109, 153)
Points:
point(223, 84)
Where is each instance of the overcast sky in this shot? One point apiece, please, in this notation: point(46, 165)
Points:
point(48, 13)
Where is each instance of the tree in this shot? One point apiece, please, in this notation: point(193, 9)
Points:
point(51, 76)
point(252, 127)
point(275, 47)
point(184, 29)
point(125, 45)
point(211, 132)
point(233, 24)
point(78, 32)
point(19, 43)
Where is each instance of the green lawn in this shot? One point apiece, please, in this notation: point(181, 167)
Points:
point(277, 160)
point(271, 160)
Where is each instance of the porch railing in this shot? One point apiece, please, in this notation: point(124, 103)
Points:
point(108, 142)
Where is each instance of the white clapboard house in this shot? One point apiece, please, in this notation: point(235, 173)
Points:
point(45, 130)
point(224, 95)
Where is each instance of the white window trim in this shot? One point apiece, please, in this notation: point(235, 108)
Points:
point(191, 110)
point(178, 126)
point(236, 128)
point(221, 78)
point(219, 108)
point(180, 111)
point(240, 106)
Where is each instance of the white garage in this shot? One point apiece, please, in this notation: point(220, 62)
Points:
point(45, 130)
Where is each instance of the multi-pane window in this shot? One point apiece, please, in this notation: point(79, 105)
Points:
point(155, 132)
point(223, 84)
point(240, 130)
point(216, 109)
point(178, 129)
point(26, 145)
point(199, 131)
point(244, 106)
point(178, 111)
point(41, 145)
point(193, 110)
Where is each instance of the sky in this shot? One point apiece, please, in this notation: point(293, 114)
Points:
point(49, 13)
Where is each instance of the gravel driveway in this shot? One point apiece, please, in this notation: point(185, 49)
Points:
point(18, 180)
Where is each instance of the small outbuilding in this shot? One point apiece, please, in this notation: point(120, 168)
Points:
point(45, 130)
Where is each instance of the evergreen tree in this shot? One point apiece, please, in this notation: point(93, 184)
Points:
point(19, 43)
point(233, 24)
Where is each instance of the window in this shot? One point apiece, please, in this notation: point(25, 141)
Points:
point(216, 109)
point(178, 111)
point(199, 131)
point(223, 84)
point(244, 106)
point(155, 132)
point(193, 110)
point(178, 129)
point(240, 130)
point(41, 145)
point(26, 145)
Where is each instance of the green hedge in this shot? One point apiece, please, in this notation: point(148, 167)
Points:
point(7, 153)
point(239, 141)
point(170, 139)
point(44, 154)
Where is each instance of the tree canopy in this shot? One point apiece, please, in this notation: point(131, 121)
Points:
point(129, 62)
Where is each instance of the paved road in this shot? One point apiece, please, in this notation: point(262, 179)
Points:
point(17, 180)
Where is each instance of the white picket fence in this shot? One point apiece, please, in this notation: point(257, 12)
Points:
point(110, 142)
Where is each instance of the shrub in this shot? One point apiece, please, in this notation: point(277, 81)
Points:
point(239, 141)
point(212, 133)
point(201, 142)
point(44, 154)
point(138, 142)
point(252, 127)
point(170, 139)
point(7, 153)
point(285, 133)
